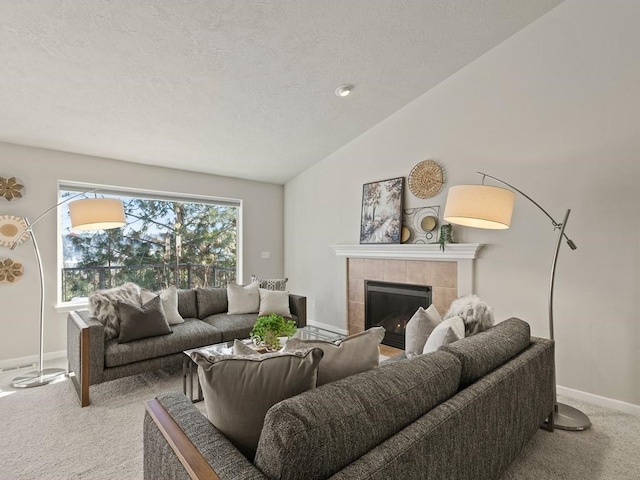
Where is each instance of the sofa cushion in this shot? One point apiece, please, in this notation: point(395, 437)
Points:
point(486, 351)
point(354, 354)
point(419, 328)
point(476, 314)
point(271, 283)
point(243, 298)
point(448, 331)
point(272, 301)
point(211, 301)
point(232, 326)
point(326, 429)
point(239, 390)
point(145, 321)
point(187, 303)
point(102, 305)
point(190, 334)
point(169, 299)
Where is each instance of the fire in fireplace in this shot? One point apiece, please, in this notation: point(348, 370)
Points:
point(391, 305)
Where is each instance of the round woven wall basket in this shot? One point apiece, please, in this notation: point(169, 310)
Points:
point(426, 179)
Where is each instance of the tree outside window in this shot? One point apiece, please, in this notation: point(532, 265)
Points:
point(164, 242)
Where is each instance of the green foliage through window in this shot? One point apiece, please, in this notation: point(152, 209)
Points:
point(164, 242)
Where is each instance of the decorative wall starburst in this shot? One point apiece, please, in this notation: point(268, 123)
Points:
point(10, 271)
point(10, 188)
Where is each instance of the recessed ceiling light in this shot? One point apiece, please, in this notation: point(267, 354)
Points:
point(344, 90)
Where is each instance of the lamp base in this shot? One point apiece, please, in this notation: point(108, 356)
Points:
point(566, 417)
point(38, 378)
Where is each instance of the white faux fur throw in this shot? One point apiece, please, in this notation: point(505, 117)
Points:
point(476, 315)
point(102, 306)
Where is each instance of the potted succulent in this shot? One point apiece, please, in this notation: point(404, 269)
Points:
point(268, 328)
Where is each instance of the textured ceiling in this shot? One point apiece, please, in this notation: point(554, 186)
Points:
point(236, 88)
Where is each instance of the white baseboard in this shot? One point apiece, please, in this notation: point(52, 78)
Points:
point(601, 401)
point(30, 361)
point(332, 328)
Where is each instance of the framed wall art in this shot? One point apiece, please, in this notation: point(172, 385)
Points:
point(419, 225)
point(381, 217)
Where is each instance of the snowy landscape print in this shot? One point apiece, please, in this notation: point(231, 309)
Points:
point(381, 217)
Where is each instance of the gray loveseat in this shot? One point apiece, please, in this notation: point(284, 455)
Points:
point(93, 360)
point(463, 412)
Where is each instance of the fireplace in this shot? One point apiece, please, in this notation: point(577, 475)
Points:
point(391, 305)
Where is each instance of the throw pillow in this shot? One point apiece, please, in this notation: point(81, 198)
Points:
point(240, 348)
point(449, 331)
point(169, 300)
point(476, 314)
point(102, 306)
point(274, 302)
point(419, 328)
point(211, 300)
point(354, 354)
point(243, 299)
point(137, 322)
point(271, 283)
point(239, 390)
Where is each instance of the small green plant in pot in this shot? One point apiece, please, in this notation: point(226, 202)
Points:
point(268, 328)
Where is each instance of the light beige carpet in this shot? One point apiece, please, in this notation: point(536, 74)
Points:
point(46, 435)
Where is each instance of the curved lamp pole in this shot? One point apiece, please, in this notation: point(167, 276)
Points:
point(86, 214)
point(483, 206)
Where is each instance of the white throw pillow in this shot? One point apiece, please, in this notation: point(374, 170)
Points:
point(449, 331)
point(419, 328)
point(354, 354)
point(274, 301)
point(243, 299)
point(169, 300)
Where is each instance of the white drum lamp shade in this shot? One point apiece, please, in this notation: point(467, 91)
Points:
point(480, 206)
point(96, 214)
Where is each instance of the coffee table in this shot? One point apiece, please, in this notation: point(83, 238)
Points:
point(189, 367)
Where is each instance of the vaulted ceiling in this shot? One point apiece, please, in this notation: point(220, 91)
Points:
point(230, 87)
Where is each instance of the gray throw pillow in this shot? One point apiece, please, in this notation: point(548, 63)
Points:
point(243, 299)
point(169, 300)
point(239, 390)
point(271, 283)
point(142, 322)
point(354, 354)
point(211, 301)
point(419, 328)
point(102, 306)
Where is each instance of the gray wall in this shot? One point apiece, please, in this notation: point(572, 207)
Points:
point(41, 170)
point(554, 111)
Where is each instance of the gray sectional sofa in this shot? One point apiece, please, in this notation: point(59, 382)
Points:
point(93, 360)
point(463, 412)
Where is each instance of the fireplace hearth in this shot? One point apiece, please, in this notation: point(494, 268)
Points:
point(391, 305)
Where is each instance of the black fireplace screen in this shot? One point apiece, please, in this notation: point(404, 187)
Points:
point(391, 305)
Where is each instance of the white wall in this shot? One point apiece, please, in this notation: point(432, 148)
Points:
point(40, 170)
point(555, 111)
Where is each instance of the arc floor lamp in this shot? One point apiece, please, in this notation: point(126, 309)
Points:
point(485, 206)
point(86, 214)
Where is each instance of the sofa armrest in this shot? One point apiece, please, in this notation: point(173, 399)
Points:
point(180, 443)
point(85, 352)
point(298, 307)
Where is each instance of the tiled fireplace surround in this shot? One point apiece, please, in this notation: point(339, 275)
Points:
point(441, 276)
point(449, 274)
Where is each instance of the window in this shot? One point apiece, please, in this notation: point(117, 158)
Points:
point(180, 241)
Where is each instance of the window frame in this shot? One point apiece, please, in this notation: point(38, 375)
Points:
point(72, 186)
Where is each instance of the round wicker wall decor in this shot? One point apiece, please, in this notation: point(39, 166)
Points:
point(426, 179)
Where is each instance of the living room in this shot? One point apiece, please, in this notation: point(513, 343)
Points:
point(550, 109)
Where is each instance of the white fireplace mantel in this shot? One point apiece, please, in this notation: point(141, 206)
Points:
point(462, 253)
point(410, 251)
